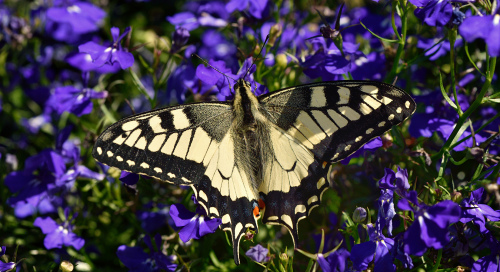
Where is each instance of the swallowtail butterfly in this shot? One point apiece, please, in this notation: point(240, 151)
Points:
point(276, 147)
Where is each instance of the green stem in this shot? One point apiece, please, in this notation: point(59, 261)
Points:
point(452, 34)
point(438, 261)
point(401, 41)
point(462, 119)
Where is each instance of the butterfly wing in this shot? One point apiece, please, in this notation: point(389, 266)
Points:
point(186, 145)
point(315, 125)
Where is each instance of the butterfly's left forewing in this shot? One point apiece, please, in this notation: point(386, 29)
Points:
point(187, 145)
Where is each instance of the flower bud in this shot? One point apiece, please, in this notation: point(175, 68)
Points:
point(359, 215)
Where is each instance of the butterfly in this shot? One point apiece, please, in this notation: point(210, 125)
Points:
point(253, 157)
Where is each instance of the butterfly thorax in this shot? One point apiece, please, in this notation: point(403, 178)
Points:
point(252, 137)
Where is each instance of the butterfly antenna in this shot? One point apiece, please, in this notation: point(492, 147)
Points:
point(208, 64)
point(253, 63)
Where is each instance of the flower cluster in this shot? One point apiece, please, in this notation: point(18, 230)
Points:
point(423, 195)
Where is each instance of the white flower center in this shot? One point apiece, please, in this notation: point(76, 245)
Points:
point(496, 19)
point(74, 9)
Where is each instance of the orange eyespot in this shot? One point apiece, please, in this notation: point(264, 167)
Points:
point(325, 164)
point(256, 212)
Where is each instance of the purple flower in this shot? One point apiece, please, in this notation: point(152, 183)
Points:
point(473, 211)
point(397, 182)
point(433, 12)
point(328, 61)
point(335, 262)
point(371, 146)
point(255, 7)
point(182, 79)
point(58, 234)
point(179, 39)
point(378, 250)
point(258, 253)
point(71, 19)
point(489, 262)
point(154, 216)
point(430, 228)
point(102, 55)
point(484, 27)
point(438, 50)
point(195, 225)
point(74, 100)
point(216, 46)
point(210, 76)
point(135, 259)
point(212, 14)
point(128, 178)
point(5, 266)
point(36, 187)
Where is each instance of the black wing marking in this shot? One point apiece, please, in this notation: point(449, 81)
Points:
point(334, 119)
point(294, 182)
point(172, 144)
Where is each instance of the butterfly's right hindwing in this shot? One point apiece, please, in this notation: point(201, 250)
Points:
point(172, 144)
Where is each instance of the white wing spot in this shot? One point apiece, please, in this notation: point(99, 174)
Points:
point(181, 148)
point(369, 131)
point(130, 163)
point(344, 94)
point(318, 98)
point(320, 183)
point(335, 156)
point(155, 124)
point(110, 154)
point(180, 119)
point(300, 209)
point(350, 113)
point(141, 143)
point(119, 158)
point(226, 219)
point(365, 109)
point(273, 218)
point(407, 104)
point(185, 180)
point(156, 143)
point(171, 175)
point(99, 150)
point(358, 138)
point(312, 199)
point(214, 210)
point(168, 147)
point(120, 139)
point(381, 124)
point(391, 117)
point(399, 110)
point(287, 219)
point(130, 125)
point(370, 101)
point(386, 100)
point(133, 137)
point(144, 165)
point(157, 170)
point(337, 118)
point(369, 89)
point(347, 148)
point(202, 195)
point(238, 228)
